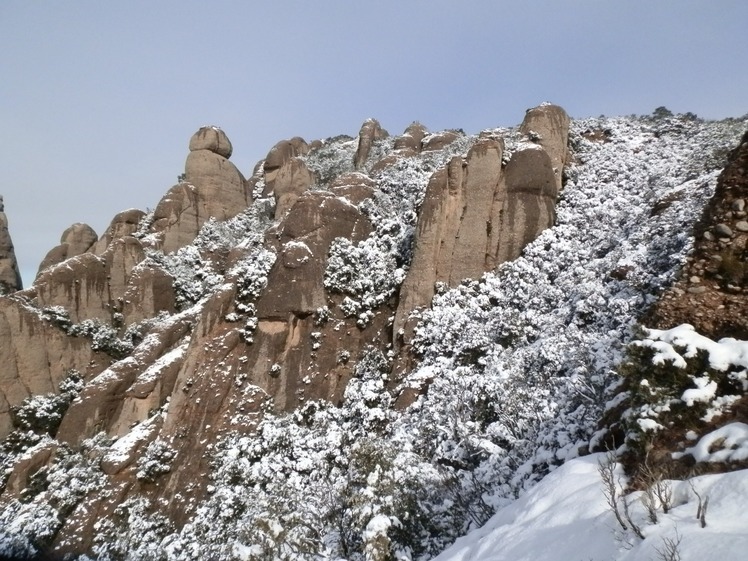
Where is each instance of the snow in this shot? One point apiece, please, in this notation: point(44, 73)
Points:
point(728, 443)
point(705, 391)
point(566, 517)
point(121, 451)
point(154, 371)
point(722, 354)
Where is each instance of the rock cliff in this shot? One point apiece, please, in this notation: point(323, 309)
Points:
point(148, 359)
point(10, 276)
point(480, 211)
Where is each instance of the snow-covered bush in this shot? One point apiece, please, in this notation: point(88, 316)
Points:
point(43, 413)
point(28, 526)
point(251, 275)
point(194, 277)
point(244, 230)
point(679, 378)
point(332, 159)
point(156, 461)
point(366, 272)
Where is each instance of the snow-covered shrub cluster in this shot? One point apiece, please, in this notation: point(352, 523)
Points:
point(244, 230)
point(320, 484)
point(367, 273)
point(251, 275)
point(194, 276)
point(110, 339)
point(156, 461)
point(678, 376)
point(332, 159)
point(43, 413)
point(30, 522)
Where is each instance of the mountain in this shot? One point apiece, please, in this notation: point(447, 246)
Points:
point(371, 345)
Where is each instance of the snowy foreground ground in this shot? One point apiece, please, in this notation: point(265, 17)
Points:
point(566, 518)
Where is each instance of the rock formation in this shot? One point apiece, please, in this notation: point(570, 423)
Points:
point(548, 125)
point(213, 188)
point(212, 139)
point(75, 240)
point(411, 139)
point(710, 294)
point(292, 179)
point(10, 276)
point(370, 132)
point(125, 223)
point(36, 356)
point(272, 334)
point(478, 213)
point(279, 154)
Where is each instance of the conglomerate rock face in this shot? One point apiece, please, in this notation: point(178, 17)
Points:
point(192, 323)
point(479, 212)
point(75, 240)
point(212, 188)
point(10, 276)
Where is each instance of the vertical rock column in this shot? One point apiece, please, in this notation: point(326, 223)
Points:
point(212, 187)
point(10, 277)
point(478, 213)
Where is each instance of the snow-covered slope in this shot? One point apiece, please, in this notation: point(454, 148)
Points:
point(566, 517)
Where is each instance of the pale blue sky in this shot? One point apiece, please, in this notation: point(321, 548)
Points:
point(98, 100)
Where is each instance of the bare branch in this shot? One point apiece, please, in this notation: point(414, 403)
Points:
point(606, 468)
point(670, 550)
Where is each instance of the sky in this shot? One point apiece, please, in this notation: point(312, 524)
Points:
point(98, 100)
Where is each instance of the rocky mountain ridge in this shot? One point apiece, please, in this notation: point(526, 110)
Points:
point(139, 357)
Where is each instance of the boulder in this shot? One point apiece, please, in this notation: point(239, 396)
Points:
point(213, 188)
point(75, 240)
point(411, 138)
point(439, 140)
point(212, 139)
point(279, 155)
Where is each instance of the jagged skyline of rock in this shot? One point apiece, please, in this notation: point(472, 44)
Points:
point(136, 97)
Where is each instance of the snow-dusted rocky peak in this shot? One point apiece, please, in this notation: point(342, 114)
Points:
point(229, 378)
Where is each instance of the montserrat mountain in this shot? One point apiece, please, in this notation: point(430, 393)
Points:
point(141, 365)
